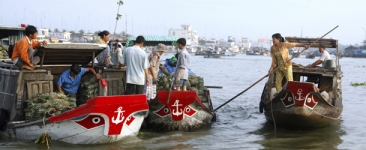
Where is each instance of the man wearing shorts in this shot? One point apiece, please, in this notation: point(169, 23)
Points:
point(181, 71)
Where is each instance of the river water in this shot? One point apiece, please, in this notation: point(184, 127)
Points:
point(240, 125)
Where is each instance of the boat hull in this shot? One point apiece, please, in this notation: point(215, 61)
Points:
point(184, 112)
point(299, 117)
point(101, 120)
point(300, 105)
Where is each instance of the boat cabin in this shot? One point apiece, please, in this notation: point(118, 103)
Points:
point(19, 85)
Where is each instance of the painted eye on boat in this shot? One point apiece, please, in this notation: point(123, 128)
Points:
point(187, 109)
point(91, 121)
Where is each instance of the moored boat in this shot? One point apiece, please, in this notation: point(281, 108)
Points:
point(310, 55)
point(312, 100)
point(184, 112)
point(106, 116)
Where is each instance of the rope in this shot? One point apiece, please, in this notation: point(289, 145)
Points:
point(44, 127)
point(271, 72)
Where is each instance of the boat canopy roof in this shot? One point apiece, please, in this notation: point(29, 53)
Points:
point(328, 43)
point(12, 33)
point(154, 40)
point(69, 53)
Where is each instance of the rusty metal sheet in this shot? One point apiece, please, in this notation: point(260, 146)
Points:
point(69, 53)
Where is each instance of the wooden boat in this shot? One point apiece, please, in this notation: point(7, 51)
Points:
point(311, 103)
point(104, 119)
point(212, 56)
point(310, 55)
point(229, 53)
point(108, 117)
point(184, 112)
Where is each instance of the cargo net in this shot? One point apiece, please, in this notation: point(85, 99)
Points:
point(194, 83)
point(88, 89)
point(48, 104)
point(3, 52)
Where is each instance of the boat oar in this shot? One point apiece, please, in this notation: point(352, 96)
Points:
point(215, 87)
point(269, 73)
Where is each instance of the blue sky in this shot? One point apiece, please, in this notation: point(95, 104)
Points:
point(211, 18)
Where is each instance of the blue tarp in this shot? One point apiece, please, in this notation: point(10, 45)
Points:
point(171, 68)
point(357, 52)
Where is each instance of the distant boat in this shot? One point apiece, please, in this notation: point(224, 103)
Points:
point(310, 55)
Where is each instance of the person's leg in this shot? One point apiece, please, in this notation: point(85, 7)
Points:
point(279, 77)
point(184, 84)
point(139, 89)
point(148, 92)
point(33, 60)
point(72, 95)
point(177, 86)
point(130, 89)
point(288, 74)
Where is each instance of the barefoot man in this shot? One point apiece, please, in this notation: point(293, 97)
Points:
point(23, 49)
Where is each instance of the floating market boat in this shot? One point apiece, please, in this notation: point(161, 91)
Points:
point(29, 107)
point(184, 111)
point(312, 100)
point(310, 55)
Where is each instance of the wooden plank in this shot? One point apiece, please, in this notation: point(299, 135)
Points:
point(38, 87)
point(115, 86)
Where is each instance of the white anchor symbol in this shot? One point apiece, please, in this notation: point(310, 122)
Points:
point(177, 112)
point(299, 92)
point(120, 117)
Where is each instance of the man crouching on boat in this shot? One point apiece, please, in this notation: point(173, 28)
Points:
point(23, 49)
point(325, 56)
point(69, 80)
point(181, 71)
point(154, 60)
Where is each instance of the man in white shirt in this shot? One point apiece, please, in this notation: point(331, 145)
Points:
point(325, 56)
point(136, 62)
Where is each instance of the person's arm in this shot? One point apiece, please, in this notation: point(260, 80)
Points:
point(147, 76)
point(146, 66)
point(152, 66)
point(93, 71)
point(106, 60)
point(35, 44)
point(60, 81)
point(182, 67)
point(59, 89)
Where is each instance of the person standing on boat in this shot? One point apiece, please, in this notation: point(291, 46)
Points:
point(281, 59)
point(119, 51)
point(181, 70)
point(137, 64)
point(104, 57)
point(69, 80)
point(23, 52)
point(154, 60)
point(325, 56)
